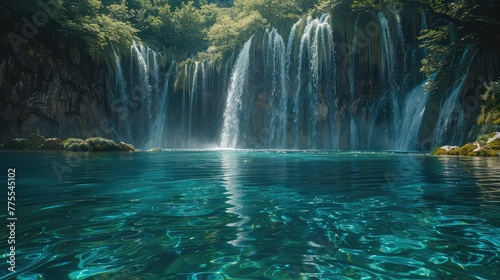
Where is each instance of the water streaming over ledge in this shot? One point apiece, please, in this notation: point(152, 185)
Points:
point(325, 86)
point(234, 104)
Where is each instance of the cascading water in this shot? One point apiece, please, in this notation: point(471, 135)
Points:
point(315, 64)
point(352, 90)
point(119, 97)
point(192, 100)
point(160, 125)
point(402, 85)
point(275, 61)
point(143, 87)
point(451, 117)
point(389, 98)
point(306, 94)
point(141, 105)
point(309, 116)
point(413, 113)
point(234, 107)
point(204, 87)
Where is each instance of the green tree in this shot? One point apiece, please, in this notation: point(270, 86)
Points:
point(232, 30)
point(188, 25)
point(86, 21)
point(490, 110)
point(275, 12)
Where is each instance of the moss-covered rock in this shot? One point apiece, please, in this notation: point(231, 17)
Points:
point(17, 144)
point(445, 150)
point(439, 151)
point(485, 145)
point(52, 144)
point(36, 140)
point(124, 147)
point(33, 142)
point(75, 145)
point(467, 148)
point(494, 145)
point(99, 144)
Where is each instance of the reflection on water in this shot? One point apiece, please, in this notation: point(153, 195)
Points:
point(235, 195)
point(255, 215)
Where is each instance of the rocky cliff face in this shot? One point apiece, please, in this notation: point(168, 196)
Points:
point(42, 91)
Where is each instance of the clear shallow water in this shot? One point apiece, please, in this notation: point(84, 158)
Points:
point(255, 215)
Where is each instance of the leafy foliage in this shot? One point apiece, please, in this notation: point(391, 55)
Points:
point(490, 111)
point(190, 26)
point(232, 30)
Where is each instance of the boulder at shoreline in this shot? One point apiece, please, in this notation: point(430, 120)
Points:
point(93, 144)
point(485, 145)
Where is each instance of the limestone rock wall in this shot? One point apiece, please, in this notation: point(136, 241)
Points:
point(42, 91)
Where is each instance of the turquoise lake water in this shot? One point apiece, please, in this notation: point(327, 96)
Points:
point(253, 215)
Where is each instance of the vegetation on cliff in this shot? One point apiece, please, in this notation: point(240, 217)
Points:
point(191, 26)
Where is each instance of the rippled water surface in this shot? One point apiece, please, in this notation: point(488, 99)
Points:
point(254, 215)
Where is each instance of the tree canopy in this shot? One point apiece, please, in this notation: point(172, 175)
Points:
point(188, 27)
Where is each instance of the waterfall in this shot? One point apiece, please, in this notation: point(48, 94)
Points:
point(296, 105)
point(204, 88)
point(316, 44)
point(413, 113)
point(451, 117)
point(388, 76)
point(353, 51)
point(234, 107)
point(119, 100)
point(450, 113)
point(275, 61)
point(160, 124)
point(120, 86)
point(184, 111)
point(290, 45)
point(145, 99)
point(402, 44)
point(143, 88)
point(192, 102)
point(296, 93)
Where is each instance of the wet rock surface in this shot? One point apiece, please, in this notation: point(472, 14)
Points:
point(94, 144)
point(485, 145)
